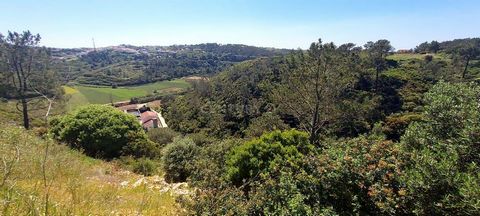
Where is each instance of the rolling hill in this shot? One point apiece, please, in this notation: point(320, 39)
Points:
point(132, 65)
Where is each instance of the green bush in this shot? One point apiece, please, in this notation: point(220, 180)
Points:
point(358, 175)
point(280, 177)
point(162, 136)
point(144, 166)
point(178, 158)
point(260, 155)
point(141, 146)
point(210, 166)
point(103, 131)
point(268, 122)
point(395, 125)
point(201, 139)
point(442, 173)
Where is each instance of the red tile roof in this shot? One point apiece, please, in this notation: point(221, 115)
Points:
point(148, 124)
point(148, 115)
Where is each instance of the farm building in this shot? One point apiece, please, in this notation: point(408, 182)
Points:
point(146, 116)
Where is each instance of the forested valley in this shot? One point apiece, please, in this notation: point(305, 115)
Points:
point(130, 65)
point(335, 129)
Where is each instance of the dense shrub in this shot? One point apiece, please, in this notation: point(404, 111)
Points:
point(266, 123)
point(192, 114)
point(260, 155)
point(144, 166)
point(210, 166)
point(433, 171)
point(178, 158)
point(223, 200)
point(285, 191)
point(395, 125)
point(442, 175)
point(428, 58)
point(273, 193)
point(201, 139)
point(208, 171)
point(360, 175)
point(162, 136)
point(141, 146)
point(103, 131)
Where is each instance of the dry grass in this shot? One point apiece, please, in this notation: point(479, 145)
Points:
point(9, 114)
point(66, 182)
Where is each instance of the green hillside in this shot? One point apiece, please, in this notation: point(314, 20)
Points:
point(133, 65)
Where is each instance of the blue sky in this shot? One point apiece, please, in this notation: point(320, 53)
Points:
point(269, 23)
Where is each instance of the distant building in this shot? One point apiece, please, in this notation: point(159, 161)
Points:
point(147, 117)
point(150, 119)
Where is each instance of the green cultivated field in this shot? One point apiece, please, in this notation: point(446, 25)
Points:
point(80, 95)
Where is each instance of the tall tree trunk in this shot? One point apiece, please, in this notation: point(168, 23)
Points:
point(314, 129)
point(245, 113)
point(465, 69)
point(23, 90)
point(26, 122)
